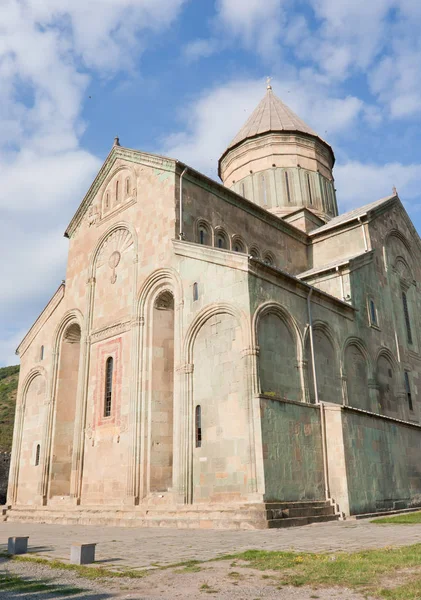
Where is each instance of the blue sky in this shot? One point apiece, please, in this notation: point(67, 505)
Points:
point(180, 77)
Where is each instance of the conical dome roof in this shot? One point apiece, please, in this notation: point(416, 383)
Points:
point(271, 115)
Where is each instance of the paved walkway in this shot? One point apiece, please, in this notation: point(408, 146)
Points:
point(139, 548)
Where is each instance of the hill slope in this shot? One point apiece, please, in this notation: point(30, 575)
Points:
point(8, 389)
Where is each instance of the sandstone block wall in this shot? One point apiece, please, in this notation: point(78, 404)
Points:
point(382, 462)
point(292, 451)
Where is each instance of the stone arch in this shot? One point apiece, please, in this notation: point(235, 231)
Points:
point(113, 275)
point(204, 315)
point(121, 225)
point(269, 259)
point(158, 351)
point(206, 239)
point(255, 252)
point(214, 346)
point(33, 407)
point(68, 347)
point(280, 351)
point(386, 381)
point(238, 242)
point(221, 239)
point(127, 172)
point(358, 372)
point(328, 367)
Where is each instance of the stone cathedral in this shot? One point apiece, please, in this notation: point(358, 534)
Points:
point(224, 355)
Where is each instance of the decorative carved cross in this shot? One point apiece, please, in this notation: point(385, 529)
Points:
point(214, 326)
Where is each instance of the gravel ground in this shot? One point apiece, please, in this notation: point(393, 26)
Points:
point(218, 580)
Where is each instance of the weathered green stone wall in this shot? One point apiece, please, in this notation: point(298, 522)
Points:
point(292, 451)
point(382, 462)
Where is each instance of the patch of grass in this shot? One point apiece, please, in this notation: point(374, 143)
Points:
point(206, 588)
point(362, 570)
point(405, 519)
point(82, 570)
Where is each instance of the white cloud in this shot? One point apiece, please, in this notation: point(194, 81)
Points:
point(48, 53)
point(211, 121)
point(360, 183)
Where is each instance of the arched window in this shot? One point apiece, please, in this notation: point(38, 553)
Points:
point(221, 240)
point(254, 252)
point(268, 259)
point(264, 191)
point(406, 316)
point(287, 187)
point(373, 312)
point(41, 353)
point(195, 291)
point(198, 426)
point(238, 246)
point(116, 191)
point(37, 455)
point(204, 235)
point(408, 391)
point(109, 366)
point(310, 197)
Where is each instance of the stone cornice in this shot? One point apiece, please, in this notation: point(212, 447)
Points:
point(40, 321)
point(117, 152)
point(258, 268)
point(110, 331)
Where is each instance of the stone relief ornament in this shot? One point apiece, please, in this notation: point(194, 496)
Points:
point(114, 262)
point(112, 250)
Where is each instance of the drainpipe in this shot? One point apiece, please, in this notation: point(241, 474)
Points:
point(180, 233)
point(364, 234)
point(316, 397)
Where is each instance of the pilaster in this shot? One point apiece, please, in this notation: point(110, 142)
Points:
point(336, 460)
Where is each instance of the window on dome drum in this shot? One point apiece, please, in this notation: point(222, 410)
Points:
point(41, 353)
point(107, 200)
point(373, 312)
point(310, 197)
point(198, 426)
point(264, 191)
point(109, 366)
point(408, 391)
point(127, 186)
point(287, 187)
point(195, 291)
point(406, 316)
point(116, 191)
point(37, 455)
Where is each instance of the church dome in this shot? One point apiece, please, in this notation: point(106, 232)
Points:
point(277, 161)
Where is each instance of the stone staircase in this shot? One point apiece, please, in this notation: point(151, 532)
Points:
point(246, 516)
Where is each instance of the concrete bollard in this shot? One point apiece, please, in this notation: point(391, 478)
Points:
point(82, 554)
point(17, 545)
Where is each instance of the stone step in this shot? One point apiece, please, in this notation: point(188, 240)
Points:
point(300, 512)
point(247, 516)
point(300, 504)
point(298, 521)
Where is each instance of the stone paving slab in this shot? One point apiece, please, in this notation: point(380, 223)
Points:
point(139, 548)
